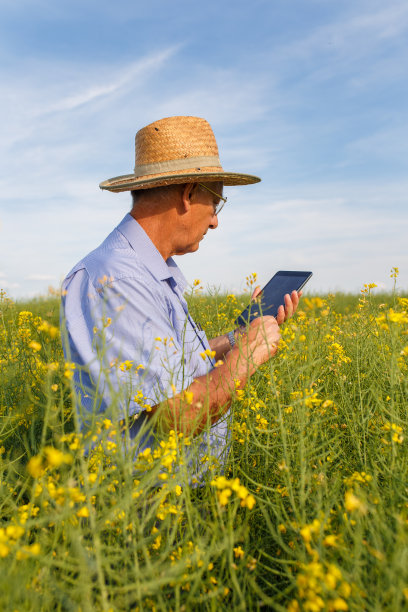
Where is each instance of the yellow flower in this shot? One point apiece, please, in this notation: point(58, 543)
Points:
point(14, 531)
point(34, 549)
point(223, 496)
point(34, 467)
point(207, 353)
point(126, 365)
point(36, 346)
point(69, 367)
point(55, 457)
point(251, 565)
point(238, 552)
point(249, 502)
point(338, 604)
point(4, 550)
point(92, 477)
point(344, 589)
point(188, 397)
point(397, 438)
point(83, 512)
point(330, 540)
point(306, 533)
point(352, 503)
point(397, 317)
point(221, 482)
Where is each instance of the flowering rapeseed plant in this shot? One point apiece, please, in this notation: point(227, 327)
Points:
point(307, 511)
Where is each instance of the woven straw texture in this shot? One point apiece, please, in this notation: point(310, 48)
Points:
point(175, 150)
point(175, 138)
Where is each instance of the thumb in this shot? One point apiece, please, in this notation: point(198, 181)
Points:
point(256, 292)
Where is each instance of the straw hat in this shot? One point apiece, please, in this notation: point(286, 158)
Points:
point(176, 150)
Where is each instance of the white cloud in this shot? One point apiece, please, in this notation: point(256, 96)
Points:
point(119, 80)
point(41, 277)
point(232, 104)
point(5, 284)
point(390, 143)
point(359, 30)
point(39, 94)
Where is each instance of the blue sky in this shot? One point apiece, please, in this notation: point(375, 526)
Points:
point(311, 95)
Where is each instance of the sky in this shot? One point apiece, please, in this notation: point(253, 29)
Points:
point(310, 95)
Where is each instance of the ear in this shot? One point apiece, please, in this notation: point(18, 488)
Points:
point(187, 195)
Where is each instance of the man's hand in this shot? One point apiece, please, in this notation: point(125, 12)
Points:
point(284, 311)
point(212, 392)
point(261, 341)
point(289, 309)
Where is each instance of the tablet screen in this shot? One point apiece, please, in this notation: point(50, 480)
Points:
point(272, 296)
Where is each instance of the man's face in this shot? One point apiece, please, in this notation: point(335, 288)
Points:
point(201, 217)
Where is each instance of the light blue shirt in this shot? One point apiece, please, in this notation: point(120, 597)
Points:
point(129, 330)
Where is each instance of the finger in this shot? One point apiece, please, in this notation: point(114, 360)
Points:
point(295, 300)
point(280, 317)
point(256, 292)
point(288, 306)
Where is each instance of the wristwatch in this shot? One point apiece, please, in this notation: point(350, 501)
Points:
point(231, 338)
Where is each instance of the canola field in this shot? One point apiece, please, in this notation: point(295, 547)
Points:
point(310, 512)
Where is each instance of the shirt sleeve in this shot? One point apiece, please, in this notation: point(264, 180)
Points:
point(138, 345)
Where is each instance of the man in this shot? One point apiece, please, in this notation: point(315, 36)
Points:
point(137, 349)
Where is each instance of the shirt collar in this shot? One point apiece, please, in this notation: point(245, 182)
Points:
point(147, 251)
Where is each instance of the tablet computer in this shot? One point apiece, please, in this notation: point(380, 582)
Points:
point(272, 295)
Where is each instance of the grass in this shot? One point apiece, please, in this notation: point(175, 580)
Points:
point(311, 512)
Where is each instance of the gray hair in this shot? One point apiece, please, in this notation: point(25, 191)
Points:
point(168, 190)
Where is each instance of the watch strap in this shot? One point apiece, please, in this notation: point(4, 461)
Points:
point(231, 338)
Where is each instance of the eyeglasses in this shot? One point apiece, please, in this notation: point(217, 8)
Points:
point(217, 207)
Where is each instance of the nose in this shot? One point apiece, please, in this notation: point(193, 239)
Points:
point(214, 222)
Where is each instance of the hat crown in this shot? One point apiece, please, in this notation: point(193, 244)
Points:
point(175, 138)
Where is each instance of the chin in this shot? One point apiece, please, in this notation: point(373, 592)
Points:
point(189, 249)
point(192, 248)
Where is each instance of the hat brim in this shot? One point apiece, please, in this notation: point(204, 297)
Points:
point(129, 182)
